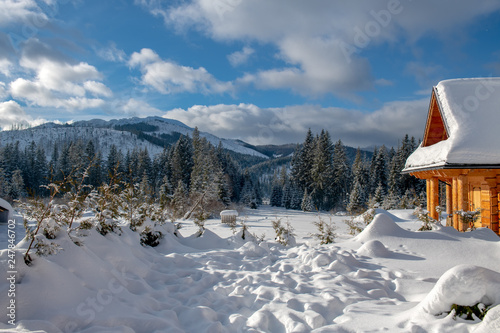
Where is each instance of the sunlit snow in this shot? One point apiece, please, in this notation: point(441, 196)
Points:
point(389, 278)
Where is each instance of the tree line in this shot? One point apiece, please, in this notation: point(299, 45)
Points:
point(189, 170)
point(320, 177)
point(192, 171)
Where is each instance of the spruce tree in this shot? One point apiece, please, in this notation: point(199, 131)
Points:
point(286, 199)
point(4, 184)
point(378, 170)
point(113, 162)
point(342, 175)
point(302, 163)
point(307, 203)
point(179, 203)
point(41, 171)
point(181, 162)
point(358, 196)
point(17, 185)
point(322, 172)
point(357, 199)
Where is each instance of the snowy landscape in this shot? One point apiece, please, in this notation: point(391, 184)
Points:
point(388, 278)
point(237, 166)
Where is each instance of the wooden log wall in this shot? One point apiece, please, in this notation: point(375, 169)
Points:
point(460, 194)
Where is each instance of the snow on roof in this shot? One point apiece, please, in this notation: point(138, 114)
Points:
point(470, 109)
point(4, 205)
point(229, 213)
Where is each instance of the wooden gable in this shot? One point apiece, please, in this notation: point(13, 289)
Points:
point(435, 129)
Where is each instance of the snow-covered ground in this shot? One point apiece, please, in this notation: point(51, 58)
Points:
point(389, 278)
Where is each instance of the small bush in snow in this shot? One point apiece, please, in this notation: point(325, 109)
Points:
point(150, 237)
point(42, 212)
point(284, 233)
point(134, 205)
point(368, 216)
point(428, 223)
point(468, 218)
point(358, 223)
point(355, 226)
point(326, 231)
point(244, 230)
point(45, 248)
point(474, 312)
point(199, 220)
point(105, 205)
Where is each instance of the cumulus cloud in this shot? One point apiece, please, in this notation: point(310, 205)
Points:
point(28, 11)
point(97, 88)
point(11, 113)
point(240, 57)
point(289, 124)
point(321, 42)
point(112, 53)
point(167, 77)
point(57, 82)
point(7, 53)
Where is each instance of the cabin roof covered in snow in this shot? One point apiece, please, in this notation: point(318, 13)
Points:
point(470, 113)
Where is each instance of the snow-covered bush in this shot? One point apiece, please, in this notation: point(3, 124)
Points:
point(326, 231)
point(134, 205)
point(468, 218)
point(150, 237)
point(474, 312)
point(105, 203)
point(356, 224)
point(42, 212)
point(428, 223)
point(284, 233)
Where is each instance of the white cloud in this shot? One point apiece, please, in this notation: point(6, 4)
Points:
point(15, 11)
point(35, 93)
point(57, 82)
point(3, 90)
point(97, 88)
point(168, 77)
point(112, 53)
point(289, 124)
point(12, 113)
point(322, 43)
point(240, 57)
point(7, 53)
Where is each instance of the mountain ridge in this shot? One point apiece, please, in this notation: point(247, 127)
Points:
point(154, 133)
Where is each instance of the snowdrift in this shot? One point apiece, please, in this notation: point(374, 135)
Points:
point(385, 279)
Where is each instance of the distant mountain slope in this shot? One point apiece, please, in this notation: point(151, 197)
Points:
point(153, 133)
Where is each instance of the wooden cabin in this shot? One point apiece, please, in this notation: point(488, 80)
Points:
point(461, 148)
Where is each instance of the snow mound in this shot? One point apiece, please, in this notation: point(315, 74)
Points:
point(382, 225)
point(374, 248)
point(463, 285)
point(491, 322)
point(392, 216)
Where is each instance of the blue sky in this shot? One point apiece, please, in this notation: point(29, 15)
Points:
point(260, 71)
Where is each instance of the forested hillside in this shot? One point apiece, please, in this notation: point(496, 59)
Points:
point(317, 175)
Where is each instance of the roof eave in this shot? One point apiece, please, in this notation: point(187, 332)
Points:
point(450, 166)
